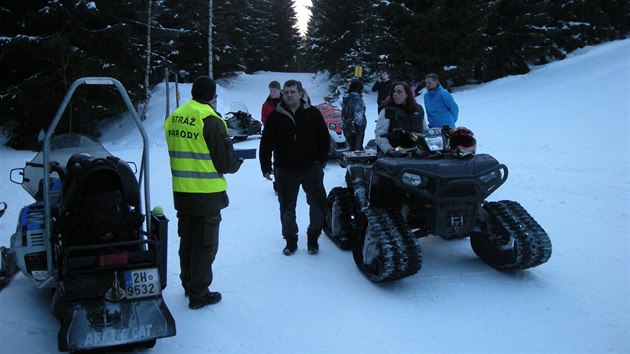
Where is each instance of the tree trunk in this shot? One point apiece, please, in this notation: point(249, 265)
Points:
point(210, 39)
point(147, 70)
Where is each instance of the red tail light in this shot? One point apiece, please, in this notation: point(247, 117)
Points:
point(108, 260)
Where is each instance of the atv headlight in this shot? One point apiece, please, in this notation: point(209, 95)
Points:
point(411, 179)
point(332, 126)
point(435, 143)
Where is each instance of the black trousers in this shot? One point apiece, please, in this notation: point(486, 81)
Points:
point(355, 138)
point(312, 182)
point(198, 246)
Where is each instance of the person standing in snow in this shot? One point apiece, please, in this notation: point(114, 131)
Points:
point(400, 112)
point(200, 153)
point(440, 105)
point(383, 85)
point(297, 137)
point(353, 115)
point(275, 97)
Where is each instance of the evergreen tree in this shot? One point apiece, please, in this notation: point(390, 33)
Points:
point(184, 35)
point(341, 36)
point(463, 41)
point(578, 23)
point(329, 33)
point(398, 49)
point(507, 35)
point(230, 35)
point(284, 36)
point(362, 39)
point(48, 45)
point(259, 37)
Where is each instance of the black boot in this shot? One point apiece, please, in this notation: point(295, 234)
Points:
point(291, 246)
point(210, 298)
point(313, 246)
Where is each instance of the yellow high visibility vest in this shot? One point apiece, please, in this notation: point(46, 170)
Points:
point(191, 164)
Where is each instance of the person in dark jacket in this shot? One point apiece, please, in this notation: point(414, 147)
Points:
point(353, 115)
point(275, 97)
point(383, 85)
point(400, 112)
point(200, 153)
point(297, 137)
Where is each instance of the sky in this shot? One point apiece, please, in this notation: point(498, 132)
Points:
point(303, 14)
point(561, 129)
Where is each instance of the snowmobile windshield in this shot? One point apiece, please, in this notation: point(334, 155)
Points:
point(61, 148)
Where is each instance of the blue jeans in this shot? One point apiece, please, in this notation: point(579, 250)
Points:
point(312, 182)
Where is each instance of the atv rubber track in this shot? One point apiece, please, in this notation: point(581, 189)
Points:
point(514, 239)
point(345, 211)
point(395, 252)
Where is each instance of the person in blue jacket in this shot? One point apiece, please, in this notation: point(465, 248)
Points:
point(439, 104)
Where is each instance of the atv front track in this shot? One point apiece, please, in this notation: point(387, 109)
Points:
point(386, 250)
point(510, 238)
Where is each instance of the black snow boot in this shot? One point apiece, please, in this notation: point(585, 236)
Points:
point(291, 246)
point(313, 246)
point(210, 298)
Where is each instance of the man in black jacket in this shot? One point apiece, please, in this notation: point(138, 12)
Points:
point(297, 137)
point(383, 85)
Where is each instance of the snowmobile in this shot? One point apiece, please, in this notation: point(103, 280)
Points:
point(87, 238)
point(437, 187)
point(240, 123)
point(334, 122)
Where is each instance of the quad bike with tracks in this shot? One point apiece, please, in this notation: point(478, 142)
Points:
point(438, 186)
point(90, 236)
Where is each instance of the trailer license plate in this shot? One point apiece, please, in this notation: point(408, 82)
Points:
point(142, 283)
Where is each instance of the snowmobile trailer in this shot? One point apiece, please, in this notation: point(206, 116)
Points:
point(91, 238)
point(389, 203)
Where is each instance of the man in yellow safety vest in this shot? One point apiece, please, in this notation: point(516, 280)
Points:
point(200, 153)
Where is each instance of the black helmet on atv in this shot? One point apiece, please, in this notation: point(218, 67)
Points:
point(462, 142)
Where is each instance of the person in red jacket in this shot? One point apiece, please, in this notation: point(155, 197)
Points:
point(275, 97)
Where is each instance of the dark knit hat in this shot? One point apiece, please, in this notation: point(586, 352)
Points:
point(203, 89)
point(356, 85)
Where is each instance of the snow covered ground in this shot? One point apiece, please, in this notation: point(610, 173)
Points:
point(562, 130)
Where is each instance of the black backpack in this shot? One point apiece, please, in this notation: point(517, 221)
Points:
point(100, 201)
